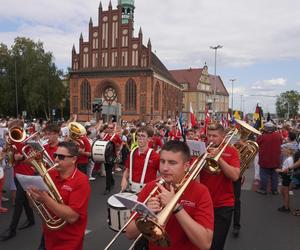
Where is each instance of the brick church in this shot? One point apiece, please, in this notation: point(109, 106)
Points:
point(116, 68)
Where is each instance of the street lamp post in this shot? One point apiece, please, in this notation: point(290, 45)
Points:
point(215, 89)
point(288, 110)
point(16, 85)
point(232, 81)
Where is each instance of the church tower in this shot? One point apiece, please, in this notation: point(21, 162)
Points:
point(127, 10)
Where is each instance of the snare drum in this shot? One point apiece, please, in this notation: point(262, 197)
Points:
point(103, 152)
point(118, 214)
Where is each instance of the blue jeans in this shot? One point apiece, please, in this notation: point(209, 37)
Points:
point(264, 176)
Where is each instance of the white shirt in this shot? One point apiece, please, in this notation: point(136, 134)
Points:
point(289, 161)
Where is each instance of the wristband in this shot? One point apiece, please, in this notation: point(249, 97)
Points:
point(180, 207)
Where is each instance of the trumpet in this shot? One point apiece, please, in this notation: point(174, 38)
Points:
point(155, 189)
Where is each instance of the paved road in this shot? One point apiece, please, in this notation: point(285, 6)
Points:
point(263, 227)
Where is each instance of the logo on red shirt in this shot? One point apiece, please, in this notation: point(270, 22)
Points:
point(67, 188)
point(188, 203)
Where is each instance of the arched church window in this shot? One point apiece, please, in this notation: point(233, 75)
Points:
point(85, 95)
point(156, 96)
point(130, 95)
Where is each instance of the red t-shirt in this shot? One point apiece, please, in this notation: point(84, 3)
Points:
point(116, 139)
point(219, 186)
point(269, 150)
point(50, 150)
point(174, 135)
point(82, 159)
point(20, 167)
point(155, 142)
point(138, 165)
point(75, 191)
point(197, 203)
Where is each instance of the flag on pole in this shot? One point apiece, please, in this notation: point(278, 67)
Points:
point(237, 115)
point(207, 119)
point(258, 117)
point(228, 119)
point(192, 116)
point(180, 126)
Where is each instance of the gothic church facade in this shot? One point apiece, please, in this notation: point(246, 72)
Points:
point(117, 68)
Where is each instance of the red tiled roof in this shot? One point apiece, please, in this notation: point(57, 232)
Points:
point(220, 85)
point(192, 76)
point(160, 68)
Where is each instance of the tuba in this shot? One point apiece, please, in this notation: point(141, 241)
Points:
point(40, 160)
point(247, 149)
point(76, 130)
point(15, 135)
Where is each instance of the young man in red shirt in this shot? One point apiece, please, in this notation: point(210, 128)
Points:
point(20, 167)
point(51, 134)
point(175, 133)
point(75, 190)
point(142, 164)
point(191, 224)
point(220, 185)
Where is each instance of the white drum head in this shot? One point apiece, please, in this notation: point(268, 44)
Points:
point(114, 202)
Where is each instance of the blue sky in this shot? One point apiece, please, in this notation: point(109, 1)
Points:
point(260, 38)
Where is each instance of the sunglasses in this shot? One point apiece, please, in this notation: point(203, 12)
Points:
point(61, 157)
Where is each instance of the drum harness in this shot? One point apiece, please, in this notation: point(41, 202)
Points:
point(135, 186)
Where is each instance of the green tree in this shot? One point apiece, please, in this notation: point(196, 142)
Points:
point(287, 104)
point(31, 71)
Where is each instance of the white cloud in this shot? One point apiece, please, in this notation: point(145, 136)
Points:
point(268, 85)
point(181, 32)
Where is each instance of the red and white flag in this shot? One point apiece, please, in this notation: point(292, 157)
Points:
point(192, 116)
point(207, 116)
point(207, 119)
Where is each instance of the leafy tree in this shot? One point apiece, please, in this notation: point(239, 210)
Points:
point(287, 104)
point(30, 70)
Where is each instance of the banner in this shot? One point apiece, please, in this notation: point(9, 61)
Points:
point(197, 148)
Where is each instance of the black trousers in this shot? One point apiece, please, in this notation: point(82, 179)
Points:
point(109, 176)
point(237, 203)
point(21, 201)
point(82, 167)
point(223, 217)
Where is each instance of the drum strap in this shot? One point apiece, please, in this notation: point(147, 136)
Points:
point(144, 167)
point(111, 138)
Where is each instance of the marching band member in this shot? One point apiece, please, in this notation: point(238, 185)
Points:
point(80, 138)
point(156, 140)
point(20, 167)
point(220, 185)
point(84, 154)
point(191, 224)
point(175, 133)
point(51, 133)
point(110, 135)
point(142, 164)
point(192, 135)
point(74, 188)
